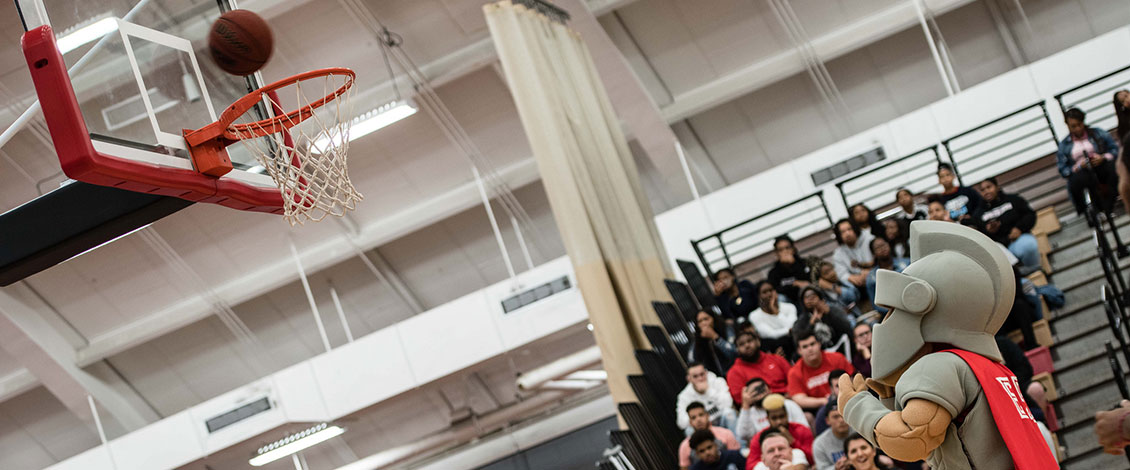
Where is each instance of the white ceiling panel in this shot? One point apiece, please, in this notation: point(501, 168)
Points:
point(36, 430)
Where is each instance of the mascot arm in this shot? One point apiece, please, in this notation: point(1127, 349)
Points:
point(913, 433)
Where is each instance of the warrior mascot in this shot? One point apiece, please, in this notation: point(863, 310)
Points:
point(944, 395)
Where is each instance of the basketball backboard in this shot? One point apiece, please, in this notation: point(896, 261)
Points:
point(123, 148)
point(132, 76)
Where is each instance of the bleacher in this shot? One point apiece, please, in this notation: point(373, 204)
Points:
point(1074, 365)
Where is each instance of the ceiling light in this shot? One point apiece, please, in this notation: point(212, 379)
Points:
point(85, 34)
point(295, 443)
point(370, 122)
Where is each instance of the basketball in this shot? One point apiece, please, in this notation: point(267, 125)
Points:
point(240, 42)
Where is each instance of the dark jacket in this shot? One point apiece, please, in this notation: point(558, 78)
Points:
point(830, 328)
point(731, 459)
point(964, 200)
point(1012, 211)
point(783, 276)
point(738, 307)
point(1099, 138)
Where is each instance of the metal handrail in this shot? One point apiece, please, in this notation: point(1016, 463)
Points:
point(952, 153)
point(842, 182)
point(721, 244)
point(1059, 97)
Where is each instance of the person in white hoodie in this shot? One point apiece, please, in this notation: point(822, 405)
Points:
point(710, 390)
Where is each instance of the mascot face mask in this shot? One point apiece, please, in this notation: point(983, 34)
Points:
point(957, 290)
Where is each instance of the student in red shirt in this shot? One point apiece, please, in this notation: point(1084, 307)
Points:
point(798, 435)
point(751, 362)
point(808, 378)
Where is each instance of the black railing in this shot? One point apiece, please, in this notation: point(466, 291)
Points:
point(875, 188)
point(748, 239)
point(1096, 98)
point(1119, 381)
point(1002, 144)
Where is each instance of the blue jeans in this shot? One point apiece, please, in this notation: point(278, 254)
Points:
point(1026, 250)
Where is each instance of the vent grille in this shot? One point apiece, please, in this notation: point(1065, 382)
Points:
point(843, 168)
point(239, 414)
point(535, 294)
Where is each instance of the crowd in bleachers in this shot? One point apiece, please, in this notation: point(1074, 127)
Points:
point(763, 369)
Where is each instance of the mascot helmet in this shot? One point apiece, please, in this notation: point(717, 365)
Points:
point(957, 290)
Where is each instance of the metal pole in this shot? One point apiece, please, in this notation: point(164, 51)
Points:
point(690, 182)
point(933, 47)
point(341, 314)
point(493, 223)
point(101, 431)
point(522, 243)
point(310, 297)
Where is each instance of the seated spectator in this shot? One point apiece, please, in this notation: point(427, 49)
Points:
point(861, 455)
point(754, 418)
point(828, 448)
point(711, 456)
point(710, 390)
point(830, 321)
point(910, 209)
point(1086, 159)
point(1008, 220)
point(798, 435)
point(712, 348)
point(735, 298)
point(884, 259)
point(751, 362)
point(937, 209)
point(790, 273)
point(1021, 316)
point(897, 233)
point(778, 455)
point(773, 320)
point(1122, 112)
point(700, 422)
point(960, 201)
point(861, 360)
point(808, 378)
point(836, 291)
point(852, 257)
point(864, 221)
point(819, 423)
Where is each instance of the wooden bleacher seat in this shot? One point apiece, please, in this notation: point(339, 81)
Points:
point(1045, 379)
point(1047, 221)
point(1042, 242)
point(1041, 329)
point(1039, 279)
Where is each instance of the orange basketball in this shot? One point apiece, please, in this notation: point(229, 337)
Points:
point(240, 42)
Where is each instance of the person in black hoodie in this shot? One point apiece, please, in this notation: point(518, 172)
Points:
point(790, 273)
point(735, 298)
point(1008, 219)
point(961, 201)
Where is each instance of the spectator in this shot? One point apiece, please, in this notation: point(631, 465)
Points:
point(773, 319)
point(752, 363)
point(1122, 112)
point(808, 378)
point(778, 455)
point(881, 251)
point(897, 233)
point(852, 258)
point(798, 435)
point(710, 454)
point(864, 221)
point(790, 273)
point(700, 421)
point(937, 209)
point(861, 454)
point(835, 290)
point(818, 423)
point(828, 448)
point(710, 390)
point(1021, 367)
point(960, 201)
point(861, 360)
point(830, 321)
point(711, 348)
point(1124, 175)
point(1021, 316)
point(1083, 159)
point(1008, 220)
point(753, 418)
point(910, 209)
point(735, 298)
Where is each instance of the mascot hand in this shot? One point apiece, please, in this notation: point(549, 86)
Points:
point(849, 386)
point(884, 390)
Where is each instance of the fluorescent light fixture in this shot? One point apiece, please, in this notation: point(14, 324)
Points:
point(85, 34)
point(295, 443)
point(370, 122)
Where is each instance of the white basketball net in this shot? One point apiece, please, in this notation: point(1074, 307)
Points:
point(310, 169)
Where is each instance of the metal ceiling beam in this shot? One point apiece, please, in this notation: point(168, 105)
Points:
point(27, 337)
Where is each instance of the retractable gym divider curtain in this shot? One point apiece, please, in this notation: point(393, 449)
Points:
point(605, 220)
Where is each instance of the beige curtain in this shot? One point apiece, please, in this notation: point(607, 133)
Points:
point(605, 220)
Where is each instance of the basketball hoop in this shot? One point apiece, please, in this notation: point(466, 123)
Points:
point(303, 151)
